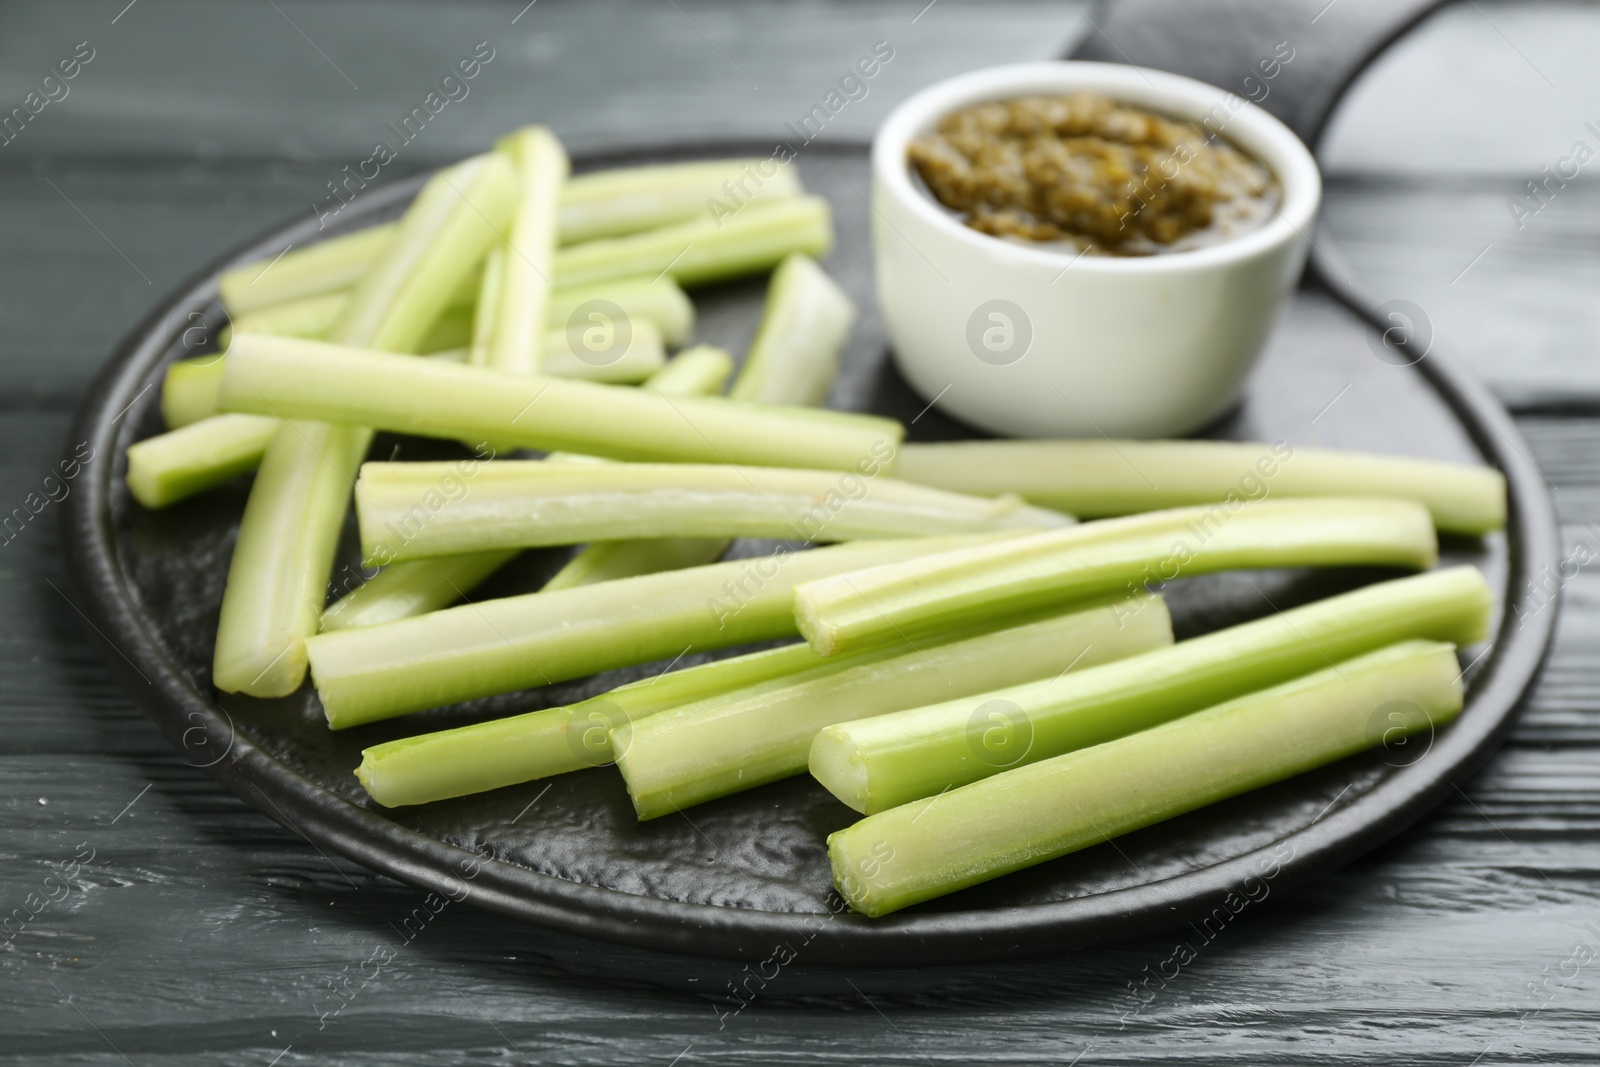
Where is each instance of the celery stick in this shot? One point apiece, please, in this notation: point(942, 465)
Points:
point(1014, 820)
point(894, 759)
point(604, 204)
point(487, 311)
point(307, 379)
point(402, 590)
point(172, 466)
point(754, 239)
point(606, 561)
point(190, 387)
point(626, 358)
point(699, 371)
point(805, 325)
point(737, 741)
point(612, 202)
point(658, 301)
point(489, 755)
point(211, 448)
point(309, 316)
point(277, 581)
point(326, 266)
point(499, 646)
point(1098, 478)
point(850, 611)
point(189, 390)
point(524, 292)
point(533, 504)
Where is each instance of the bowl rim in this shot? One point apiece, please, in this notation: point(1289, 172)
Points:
point(1250, 126)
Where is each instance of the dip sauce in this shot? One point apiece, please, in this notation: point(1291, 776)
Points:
point(1086, 174)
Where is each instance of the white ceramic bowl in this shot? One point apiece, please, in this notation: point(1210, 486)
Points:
point(1032, 342)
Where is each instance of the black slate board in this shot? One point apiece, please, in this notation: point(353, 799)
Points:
point(749, 872)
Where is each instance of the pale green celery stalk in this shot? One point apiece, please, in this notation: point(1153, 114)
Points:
point(1023, 817)
point(534, 504)
point(1108, 555)
point(699, 371)
point(538, 744)
point(189, 390)
point(737, 741)
point(659, 300)
point(804, 327)
point(209, 448)
point(402, 590)
point(307, 379)
point(604, 204)
point(606, 561)
point(613, 202)
point(1097, 478)
point(527, 267)
point(277, 582)
point(499, 646)
point(309, 316)
point(487, 311)
point(625, 358)
point(326, 266)
point(754, 239)
point(880, 763)
point(173, 466)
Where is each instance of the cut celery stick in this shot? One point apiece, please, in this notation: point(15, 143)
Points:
point(627, 200)
point(850, 611)
point(499, 646)
point(277, 581)
point(894, 759)
point(189, 390)
point(795, 354)
point(402, 590)
point(739, 740)
point(523, 299)
point(607, 561)
point(755, 239)
point(486, 312)
point(213, 448)
point(490, 755)
point(626, 358)
point(1014, 820)
point(699, 371)
point(1098, 478)
point(307, 379)
point(173, 466)
point(309, 316)
point(660, 301)
point(603, 204)
point(327, 266)
point(533, 504)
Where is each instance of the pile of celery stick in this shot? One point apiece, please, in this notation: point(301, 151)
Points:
point(989, 681)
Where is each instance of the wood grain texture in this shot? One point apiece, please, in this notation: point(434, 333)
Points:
point(201, 933)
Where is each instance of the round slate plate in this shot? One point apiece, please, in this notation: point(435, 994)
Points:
point(747, 876)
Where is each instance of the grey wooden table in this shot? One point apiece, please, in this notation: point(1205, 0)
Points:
point(181, 926)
